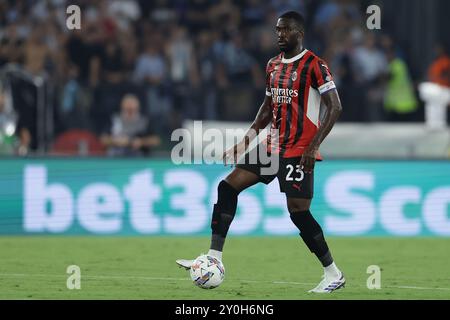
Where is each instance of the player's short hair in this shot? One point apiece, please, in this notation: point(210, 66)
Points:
point(296, 17)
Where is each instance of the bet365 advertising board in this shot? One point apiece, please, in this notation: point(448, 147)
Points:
point(156, 197)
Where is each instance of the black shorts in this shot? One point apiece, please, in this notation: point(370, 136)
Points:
point(293, 181)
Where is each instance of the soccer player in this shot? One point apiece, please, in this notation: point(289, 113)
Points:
point(296, 83)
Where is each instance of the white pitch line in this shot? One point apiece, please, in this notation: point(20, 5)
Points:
point(12, 275)
point(417, 288)
point(15, 275)
point(392, 287)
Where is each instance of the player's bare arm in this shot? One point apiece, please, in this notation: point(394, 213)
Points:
point(261, 121)
point(333, 110)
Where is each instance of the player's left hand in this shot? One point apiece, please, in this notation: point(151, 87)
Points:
point(308, 160)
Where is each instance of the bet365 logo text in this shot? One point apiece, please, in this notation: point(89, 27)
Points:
point(73, 21)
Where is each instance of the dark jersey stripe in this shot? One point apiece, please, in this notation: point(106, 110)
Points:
point(275, 78)
point(279, 105)
point(289, 107)
point(301, 99)
point(314, 80)
point(284, 106)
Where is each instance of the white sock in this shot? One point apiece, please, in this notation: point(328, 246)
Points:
point(215, 254)
point(332, 271)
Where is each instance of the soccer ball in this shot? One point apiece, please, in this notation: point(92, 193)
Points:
point(207, 272)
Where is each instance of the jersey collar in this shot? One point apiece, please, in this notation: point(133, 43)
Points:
point(290, 60)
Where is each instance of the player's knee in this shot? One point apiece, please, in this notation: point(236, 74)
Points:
point(234, 181)
point(298, 205)
point(227, 195)
point(240, 179)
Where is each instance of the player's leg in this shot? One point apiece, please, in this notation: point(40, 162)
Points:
point(310, 230)
point(225, 209)
point(248, 172)
point(299, 189)
point(312, 234)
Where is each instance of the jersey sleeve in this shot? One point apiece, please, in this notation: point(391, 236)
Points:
point(321, 77)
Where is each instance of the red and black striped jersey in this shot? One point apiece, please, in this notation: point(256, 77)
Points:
point(295, 86)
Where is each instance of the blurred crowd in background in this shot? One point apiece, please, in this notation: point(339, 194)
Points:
point(137, 69)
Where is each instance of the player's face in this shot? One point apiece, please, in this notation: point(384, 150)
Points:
point(288, 35)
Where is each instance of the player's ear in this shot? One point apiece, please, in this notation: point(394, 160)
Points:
point(301, 33)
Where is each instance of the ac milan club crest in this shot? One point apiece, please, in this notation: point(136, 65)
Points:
point(294, 76)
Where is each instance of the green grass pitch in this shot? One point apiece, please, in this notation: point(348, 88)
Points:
point(267, 268)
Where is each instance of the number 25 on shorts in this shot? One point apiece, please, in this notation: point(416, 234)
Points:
point(289, 177)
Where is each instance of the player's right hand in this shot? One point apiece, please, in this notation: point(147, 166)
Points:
point(232, 155)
